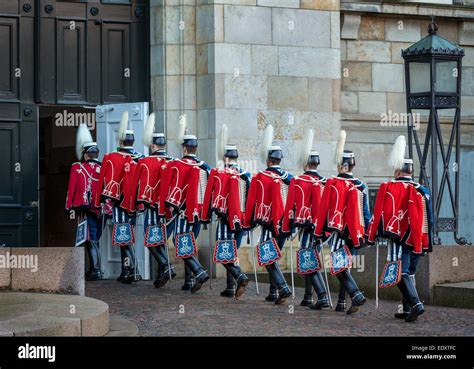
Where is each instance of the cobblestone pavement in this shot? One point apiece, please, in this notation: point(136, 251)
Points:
point(157, 313)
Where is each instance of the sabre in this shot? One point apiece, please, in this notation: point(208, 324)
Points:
point(326, 274)
point(291, 266)
point(377, 274)
point(210, 253)
point(167, 246)
point(253, 260)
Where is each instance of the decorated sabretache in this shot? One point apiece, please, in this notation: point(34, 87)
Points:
point(123, 234)
point(307, 261)
point(155, 235)
point(225, 251)
point(185, 245)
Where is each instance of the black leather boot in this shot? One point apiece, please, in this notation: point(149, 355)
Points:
point(357, 297)
point(188, 278)
point(124, 270)
point(95, 265)
point(308, 291)
point(406, 310)
point(283, 290)
point(129, 261)
point(239, 276)
point(164, 272)
point(273, 292)
point(199, 273)
point(320, 288)
point(230, 286)
point(408, 289)
point(341, 299)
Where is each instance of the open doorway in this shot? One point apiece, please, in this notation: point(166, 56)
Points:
point(57, 151)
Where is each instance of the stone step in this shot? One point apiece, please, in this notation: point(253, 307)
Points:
point(41, 314)
point(459, 294)
point(121, 327)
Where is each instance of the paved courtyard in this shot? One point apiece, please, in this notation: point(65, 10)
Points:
point(172, 312)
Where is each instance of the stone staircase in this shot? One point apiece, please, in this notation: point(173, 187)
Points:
point(459, 294)
point(41, 314)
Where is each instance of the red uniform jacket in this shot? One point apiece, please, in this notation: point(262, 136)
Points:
point(116, 174)
point(183, 187)
point(304, 196)
point(400, 214)
point(83, 186)
point(266, 200)
point(341, 210)
point(148, 177)
point(225, 195)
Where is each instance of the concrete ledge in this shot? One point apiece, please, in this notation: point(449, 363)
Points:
point(37, 314)
point(460, 295)
point(43, 269)
point(5, 271)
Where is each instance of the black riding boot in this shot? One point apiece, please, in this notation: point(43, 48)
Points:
point(408, 290)
point(320, 288)
point(188, 278)
point(129, 261)
point(308, 291)
point(279, 280)
point(164, 272)
point(239, 276)
point(124, 263)
point(357, 297)
point(273, 293)
point(406, 310)
point(341, 299)
point(94, 261)
point(230, 285)
point(199, 273)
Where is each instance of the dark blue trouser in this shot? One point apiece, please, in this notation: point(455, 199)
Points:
point(94, 223)
point(234, 272)
point(277, 280)
point(191, 264)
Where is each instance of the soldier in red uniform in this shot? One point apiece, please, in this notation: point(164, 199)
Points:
point(265, 207)
point(116, 183)
point(82, 189)
point(182, 193)
point(225, 196)
point(304, 196)
point(403, 215)
point(344, 212)
point(149, 176)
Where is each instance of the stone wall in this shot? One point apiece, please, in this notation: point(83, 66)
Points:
point(373, 83)
point(248, 64)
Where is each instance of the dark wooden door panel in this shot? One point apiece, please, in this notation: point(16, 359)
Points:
point(71, 61)
point(19, 168)
point(116, 71)
point(10, 167)
point(9, 78)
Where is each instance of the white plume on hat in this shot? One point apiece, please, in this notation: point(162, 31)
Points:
point(83, 136)
point(182, 130)
point(341, 142)
point(397, 154)
point(149, 130)
point(307, 146)
point(224, 138)
point(267, 141)
point(123, 126)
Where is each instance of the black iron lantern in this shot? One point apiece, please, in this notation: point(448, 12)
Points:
point(433, 82)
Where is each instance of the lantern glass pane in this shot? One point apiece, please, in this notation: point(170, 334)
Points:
point(420, 78)
point(446, 76)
